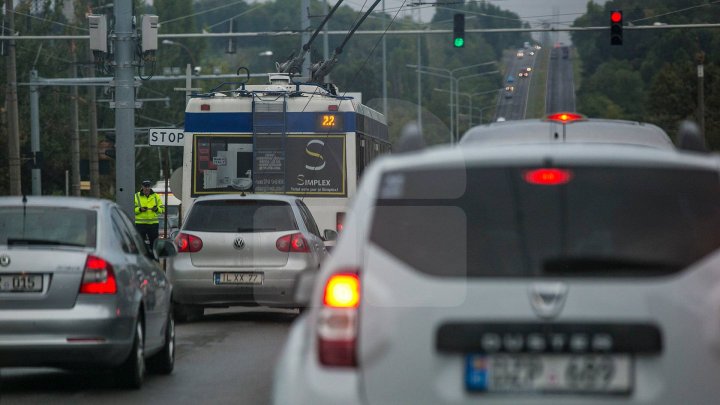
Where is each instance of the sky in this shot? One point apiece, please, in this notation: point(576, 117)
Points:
point(533, 11)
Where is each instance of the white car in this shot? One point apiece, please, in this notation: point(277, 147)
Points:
point(530, 273)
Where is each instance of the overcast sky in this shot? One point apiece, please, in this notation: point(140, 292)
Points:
point(560, 12)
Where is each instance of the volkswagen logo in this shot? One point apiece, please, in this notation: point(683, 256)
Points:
point(548, 299)
point(239, 243)
point(4, 260)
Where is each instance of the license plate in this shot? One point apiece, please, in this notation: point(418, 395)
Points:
point(238, 278)
point(21, 282)
point(579, 374)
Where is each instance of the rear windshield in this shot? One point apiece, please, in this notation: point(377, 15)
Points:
point(48, 226)
point(492, 222)
point(240, 216)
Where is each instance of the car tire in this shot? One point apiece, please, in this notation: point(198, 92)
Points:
point(187, 313)
point(163, 362)
point(132, 372)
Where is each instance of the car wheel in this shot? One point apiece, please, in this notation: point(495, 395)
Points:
point(164, 361)
point(185, 313)
point(132, 372)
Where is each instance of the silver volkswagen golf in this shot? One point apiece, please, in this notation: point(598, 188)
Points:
point(78, 288)
point(519, 273)
point(236, 250)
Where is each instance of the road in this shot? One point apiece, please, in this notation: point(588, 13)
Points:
point(560, 95)
point(228, 357)
point(514, 108)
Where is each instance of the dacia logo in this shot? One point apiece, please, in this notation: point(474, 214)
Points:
point(315, 155)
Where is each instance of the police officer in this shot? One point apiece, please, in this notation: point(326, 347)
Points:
point(148, 205)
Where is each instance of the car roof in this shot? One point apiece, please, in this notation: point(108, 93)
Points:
point(247, 196)
point(57, 201)
point(538, 154)
point(585, 131)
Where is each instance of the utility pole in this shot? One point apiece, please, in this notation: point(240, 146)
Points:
point(384, 67)
point(11, 106)
point(93, 141)
point(35, 134)
point(700, 59)
point(75, 124)
point(124, 45)
point(305, 26)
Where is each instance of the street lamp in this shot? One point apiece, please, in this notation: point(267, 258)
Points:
point(183, 46)
point(449, 74)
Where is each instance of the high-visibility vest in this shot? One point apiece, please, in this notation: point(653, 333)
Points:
point(150, 201)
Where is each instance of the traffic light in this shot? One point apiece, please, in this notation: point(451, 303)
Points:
point(459, 30)
point(616, 27)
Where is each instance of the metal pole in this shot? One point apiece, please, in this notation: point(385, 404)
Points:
point(305, 26)
point(93, 141)
point(419, 88)
point(326, 43)
point(384, 67)
point(11, 105)
point(124, 106)
point(75, 124)
point(188, 82)
point(700, 57)
point(452, 120)
point(35, 134)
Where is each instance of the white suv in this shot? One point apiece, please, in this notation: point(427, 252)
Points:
point(543, 273)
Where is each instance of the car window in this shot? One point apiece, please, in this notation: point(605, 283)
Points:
point(52, 225)
point(308, 219)
point(241, 216)
point(133, 234)
point(128, 244)
point(602, 221)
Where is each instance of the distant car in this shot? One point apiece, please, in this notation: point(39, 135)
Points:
point(523, 73)
point(520, 54)
point(544, 273)
point(78, 289)
point(508, 94)
point(510, 79)
point(243, 250)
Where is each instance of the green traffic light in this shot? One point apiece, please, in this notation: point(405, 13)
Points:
point(459, 42)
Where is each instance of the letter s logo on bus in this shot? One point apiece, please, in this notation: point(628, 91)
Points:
point(316, 155)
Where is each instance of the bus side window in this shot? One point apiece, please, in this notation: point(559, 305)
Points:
point(360, 154)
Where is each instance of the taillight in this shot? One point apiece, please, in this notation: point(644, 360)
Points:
point(295, 243)
point(337, 322)
point(339, 221)
point(548, 177)
point(188, 243)
point(98, 277)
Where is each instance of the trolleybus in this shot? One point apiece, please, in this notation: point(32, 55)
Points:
point(281, 137)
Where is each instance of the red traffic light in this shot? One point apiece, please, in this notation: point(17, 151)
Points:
point(616, 16)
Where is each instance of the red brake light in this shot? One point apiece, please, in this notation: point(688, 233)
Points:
point(342, 291)
point(616, 16)
point(332, 107)
point(188, 243)
point(548, 177)
point(339, 221)
point(98, 277)
point(337, 321)
point(204, 107)
point(295, 243)
point(565, 117)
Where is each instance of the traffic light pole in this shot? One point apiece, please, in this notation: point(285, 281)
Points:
point(124, 44)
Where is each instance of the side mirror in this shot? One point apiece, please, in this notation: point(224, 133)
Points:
point(164, 248)
point(330, 234)
point(304, 283)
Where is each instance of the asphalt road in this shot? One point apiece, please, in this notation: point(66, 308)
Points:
point(228, 357)
point(560, 87)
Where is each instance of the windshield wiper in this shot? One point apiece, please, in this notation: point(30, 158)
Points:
point(589, 266)
point(18, 241)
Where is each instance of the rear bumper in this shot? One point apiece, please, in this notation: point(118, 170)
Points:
point(195, 286)
point(83, 335)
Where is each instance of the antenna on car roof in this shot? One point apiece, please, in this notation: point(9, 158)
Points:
point(690, 138)
point(411, 139)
